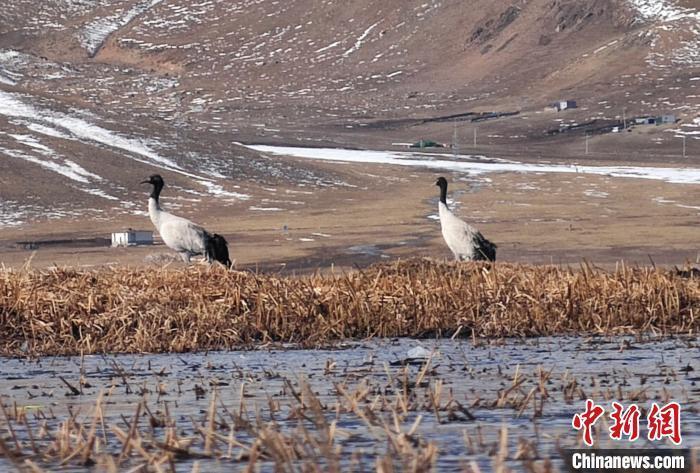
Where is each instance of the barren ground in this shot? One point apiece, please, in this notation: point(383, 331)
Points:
point(384, 212)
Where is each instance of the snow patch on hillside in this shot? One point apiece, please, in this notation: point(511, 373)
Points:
point(65, 167)
point(676, 32)
point(61, 125)
point(12, 106)
point(8, 63)
point(478, 167)
point(663, 10)
point(217, 189)
point(46, 130)
point(14, 214)
point(48, 159)
point(360, 40)
point(96, 32)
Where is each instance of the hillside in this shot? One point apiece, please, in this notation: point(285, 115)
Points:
point(94, 96)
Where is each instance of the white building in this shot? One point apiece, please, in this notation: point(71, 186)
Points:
point(565, 104)
point(132, 237)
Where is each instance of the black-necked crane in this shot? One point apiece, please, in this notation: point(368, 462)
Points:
point(466, 242)
point(182, 235)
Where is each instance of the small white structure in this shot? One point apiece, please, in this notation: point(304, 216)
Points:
point(564, 105)
point(132, 237)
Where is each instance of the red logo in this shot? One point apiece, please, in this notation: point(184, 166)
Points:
point(586, 420)
point(665, 422)
point(662, 422)
point(624, 423)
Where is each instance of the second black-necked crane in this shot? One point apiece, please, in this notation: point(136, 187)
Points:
point(466, 242)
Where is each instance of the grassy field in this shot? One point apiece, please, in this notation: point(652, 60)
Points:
point(69, 311)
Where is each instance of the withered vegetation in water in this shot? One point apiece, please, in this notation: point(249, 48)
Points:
point(461, 408)
point(146, 440)
point(72, 311)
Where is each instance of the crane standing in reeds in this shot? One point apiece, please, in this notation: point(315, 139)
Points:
point(182, 235)
point(466, 242)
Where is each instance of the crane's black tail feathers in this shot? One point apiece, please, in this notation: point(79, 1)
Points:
point(484, 250)
point(217, 250)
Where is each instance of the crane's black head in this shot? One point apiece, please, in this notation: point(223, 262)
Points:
point(157, 182)
point(442, 183)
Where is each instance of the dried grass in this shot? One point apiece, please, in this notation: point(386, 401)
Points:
point(307, 440)
point(71, 311)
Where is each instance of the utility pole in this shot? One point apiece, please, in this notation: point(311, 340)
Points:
point(683, 145)
point(624, 119)
point(455, 146)
point(586, 143)
point(475, 137)
point(180, 123)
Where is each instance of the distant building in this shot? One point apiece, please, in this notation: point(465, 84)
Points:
point(426, 144)
point(132, 237)
point(660, 120)
point(564, 104)
point(645, 121)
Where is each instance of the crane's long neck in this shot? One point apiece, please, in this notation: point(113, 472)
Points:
point(443, 194)
point(155, 193)
point(154, 209)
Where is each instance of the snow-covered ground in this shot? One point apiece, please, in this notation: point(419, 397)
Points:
point(681, 26)
point(96, 32)
point(663, 10)
point(52, 162)
point(8, 59)
point(473, 165)
point(16, 214)
point(360, 40)
point(55, 124)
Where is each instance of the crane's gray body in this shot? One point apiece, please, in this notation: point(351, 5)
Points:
point(466, 242)
point(179, 234)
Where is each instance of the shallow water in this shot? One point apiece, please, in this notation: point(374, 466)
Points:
point(603, 369)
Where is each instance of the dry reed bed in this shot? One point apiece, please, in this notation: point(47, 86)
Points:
point(71, 311)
